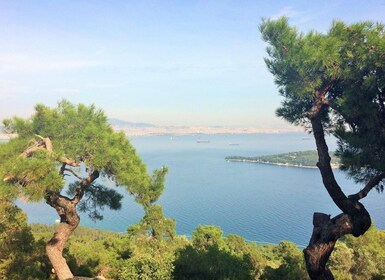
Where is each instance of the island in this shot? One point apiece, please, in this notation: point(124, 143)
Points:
point(304, 159)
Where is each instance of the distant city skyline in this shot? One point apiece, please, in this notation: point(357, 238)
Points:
point(193, 63)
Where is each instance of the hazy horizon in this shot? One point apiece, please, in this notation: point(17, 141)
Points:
point(177, 63)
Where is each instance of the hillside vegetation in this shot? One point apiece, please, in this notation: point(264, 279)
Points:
point(307, 159)
point(207, 255)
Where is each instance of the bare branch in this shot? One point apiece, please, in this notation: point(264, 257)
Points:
point(69, 162)
point(8, 178)
point(47, 143)
point(43, 144)
point(73, 173)
point(31, 149)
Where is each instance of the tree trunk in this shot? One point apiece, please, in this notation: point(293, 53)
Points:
point(326, 232)
point(69, 220)
point(355, 219)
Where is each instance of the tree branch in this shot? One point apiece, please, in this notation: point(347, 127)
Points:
point(44, 144)
point(47, 143)
point(69, 162)
point(321, 100)
point(57, 200)
point(324, 166)
point(368, 187)
point(73, 173)
point(84, 184)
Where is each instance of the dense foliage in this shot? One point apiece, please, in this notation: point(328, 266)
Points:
point(341, 76)
point(70, 157)
point(334, 82)
point(207, 255)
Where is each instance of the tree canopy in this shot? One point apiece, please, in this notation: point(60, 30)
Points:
point(334, 83)
point(340, 76)
point(72, 148)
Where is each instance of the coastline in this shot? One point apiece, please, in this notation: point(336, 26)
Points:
point(137, 131)
point(186, 130)
point(334, 166)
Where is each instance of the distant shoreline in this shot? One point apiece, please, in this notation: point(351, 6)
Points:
point(5, 137)
point(280, 164)
point(301, 159)
point(149, 130)
point(272, 163)
point(182, 130)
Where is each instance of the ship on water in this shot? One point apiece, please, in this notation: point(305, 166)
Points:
point(203, 141)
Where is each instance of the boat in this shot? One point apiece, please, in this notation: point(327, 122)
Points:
point(203, 141)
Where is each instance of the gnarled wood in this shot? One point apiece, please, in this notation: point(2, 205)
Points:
point(69, 220)
point(355, 219)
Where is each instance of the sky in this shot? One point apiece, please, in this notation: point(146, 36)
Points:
point(194, 63)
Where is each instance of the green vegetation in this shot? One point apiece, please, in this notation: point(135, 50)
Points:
point(297, 159)
point(76, 142)
point(207, 255)
point(331, 83)
point(334, 82)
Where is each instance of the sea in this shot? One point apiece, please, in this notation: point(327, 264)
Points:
point(263, 203)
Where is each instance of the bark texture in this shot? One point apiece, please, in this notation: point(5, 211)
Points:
point(354, 218)
point(69, 220)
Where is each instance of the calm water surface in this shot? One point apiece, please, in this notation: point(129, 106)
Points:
point(262, 203)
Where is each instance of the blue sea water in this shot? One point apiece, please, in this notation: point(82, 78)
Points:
point(263, 203)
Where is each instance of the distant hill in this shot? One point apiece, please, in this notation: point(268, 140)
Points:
point(122, 123)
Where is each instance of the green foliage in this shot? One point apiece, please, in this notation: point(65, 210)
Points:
point(368, 254)
point(343, 73)
point(341, 261)
point(360, 96)
point(118, 256)
point(149, 193)
point(254, 259)
point(301, 64)
point(91, 252)
point(96, 197)
point(32, 176)
point(156, 263)
point(210, 256)
point(205, 236)
point(78, 133)
point(292, 264)
point(154, 225)
point(20, 256)
point(76, 140)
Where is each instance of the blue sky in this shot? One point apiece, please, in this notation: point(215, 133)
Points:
point(161, 62)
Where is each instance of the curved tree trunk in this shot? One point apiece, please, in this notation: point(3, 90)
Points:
point(69, 221)
point(355, 219)
point(326, 232)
